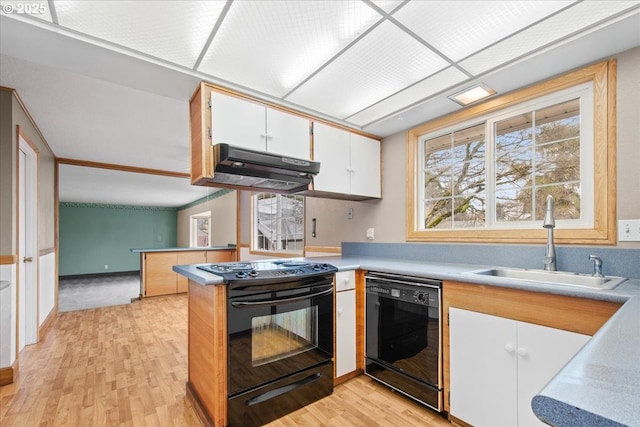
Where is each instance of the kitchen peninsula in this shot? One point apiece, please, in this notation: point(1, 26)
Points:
point(157, 276)
point(574, 391)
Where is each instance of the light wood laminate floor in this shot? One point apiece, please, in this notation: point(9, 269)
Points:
point(127, 366)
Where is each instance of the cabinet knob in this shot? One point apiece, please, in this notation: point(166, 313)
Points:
point(509, 348)
point(339, 312)
point(522, 352)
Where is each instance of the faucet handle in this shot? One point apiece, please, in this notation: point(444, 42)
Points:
point(597, 265)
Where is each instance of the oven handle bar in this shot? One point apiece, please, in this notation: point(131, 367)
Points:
point(282, 390)
point(246, 304)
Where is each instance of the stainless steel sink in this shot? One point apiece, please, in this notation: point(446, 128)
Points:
point(553, 277)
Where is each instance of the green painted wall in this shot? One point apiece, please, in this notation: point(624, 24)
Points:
point(92, 236)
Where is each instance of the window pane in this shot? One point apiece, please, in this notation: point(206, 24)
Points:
point(454, 166)
point(279, 222)
point(437, 213)
point(513, 204)
point(437, 183)
point(202, 227)
point(558, 162)
point(469, 211)
point(566, 201)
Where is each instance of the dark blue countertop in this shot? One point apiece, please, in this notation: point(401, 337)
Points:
point(599, 386)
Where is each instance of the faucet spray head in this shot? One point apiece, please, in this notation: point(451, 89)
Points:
point(549, 221)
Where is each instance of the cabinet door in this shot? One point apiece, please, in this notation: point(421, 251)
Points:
point(345, 332)
point(483, 369)
point(288, 134)
point(345, 280)
point(188, 257)
point(160, 279)
point(331, 149)
point(542, 352)
point(237, 122)
point(365, 166)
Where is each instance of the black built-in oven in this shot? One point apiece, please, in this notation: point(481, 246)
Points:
point(280, 341)
point(403, 330)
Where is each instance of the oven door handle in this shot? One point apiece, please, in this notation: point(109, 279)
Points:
point(246, 304)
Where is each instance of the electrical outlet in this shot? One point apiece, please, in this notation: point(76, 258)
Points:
point(350, 213)
point(106, 267)
point(370, 233)
point(629, 230)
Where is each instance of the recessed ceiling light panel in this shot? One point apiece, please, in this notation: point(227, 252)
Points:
point(472, 94)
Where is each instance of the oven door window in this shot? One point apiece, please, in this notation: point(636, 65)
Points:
point(282, 335)
point(270, 340)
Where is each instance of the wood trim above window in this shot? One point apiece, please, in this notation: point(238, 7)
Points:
point(603, 75)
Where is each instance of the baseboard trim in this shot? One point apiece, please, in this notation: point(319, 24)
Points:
point(196, 403)
point(42, 330)
point(94, 275)
point(7, 374)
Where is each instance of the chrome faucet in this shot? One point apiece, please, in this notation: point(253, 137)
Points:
point(597, 265)
point(549, 223)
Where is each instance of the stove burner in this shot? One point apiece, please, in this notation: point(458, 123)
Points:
point(294, 264)
point(266, 270)
point(236, 266)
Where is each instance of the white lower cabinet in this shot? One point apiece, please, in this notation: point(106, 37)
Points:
point(345, 351)
point(497, 365)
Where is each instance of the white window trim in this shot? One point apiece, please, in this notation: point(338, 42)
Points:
point(193, 232)
point(585, 93)
point(604, 230)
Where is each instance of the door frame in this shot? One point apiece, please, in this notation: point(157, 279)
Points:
point(27, 216)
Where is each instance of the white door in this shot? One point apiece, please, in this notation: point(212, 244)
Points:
point(483, 369)
point(365, 166)
point(542, 352)
point(237, 122)
point(288, 134)
point(345, 332)
point(331, 149)
point(27, 246)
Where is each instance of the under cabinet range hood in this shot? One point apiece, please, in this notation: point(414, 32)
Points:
point(242, 168)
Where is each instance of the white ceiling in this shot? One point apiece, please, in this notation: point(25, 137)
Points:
point(109, 81)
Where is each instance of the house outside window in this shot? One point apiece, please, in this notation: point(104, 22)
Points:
point(278, 223)
point(483, 174)
point(200, 230)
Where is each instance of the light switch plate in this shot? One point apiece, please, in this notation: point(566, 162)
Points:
point(629, 230)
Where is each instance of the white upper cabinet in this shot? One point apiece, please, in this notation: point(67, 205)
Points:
point(247, 124)
point(349, 162)
point(288, 134)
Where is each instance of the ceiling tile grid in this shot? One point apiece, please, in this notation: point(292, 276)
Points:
point(369, 71)
point(461, 28)
point(409, 97)
point(156, 28)
point(551, 31)
point(272, 47)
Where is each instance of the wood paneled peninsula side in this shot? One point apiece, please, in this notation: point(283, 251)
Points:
point(156, 266)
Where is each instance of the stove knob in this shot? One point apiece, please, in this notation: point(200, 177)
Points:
point(253, 273)
point(241, 275)
point(316, 267)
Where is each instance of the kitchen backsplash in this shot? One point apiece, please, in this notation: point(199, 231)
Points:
point(616, 262)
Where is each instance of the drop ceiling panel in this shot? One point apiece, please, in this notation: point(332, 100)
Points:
point(460, 28)
point(382, 63)
point(387, 5)
point(551, 31)
point(156, 28)
point(411, 96)
point(273, 46)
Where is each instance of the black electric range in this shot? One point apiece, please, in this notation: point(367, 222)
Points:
point(258, 272)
